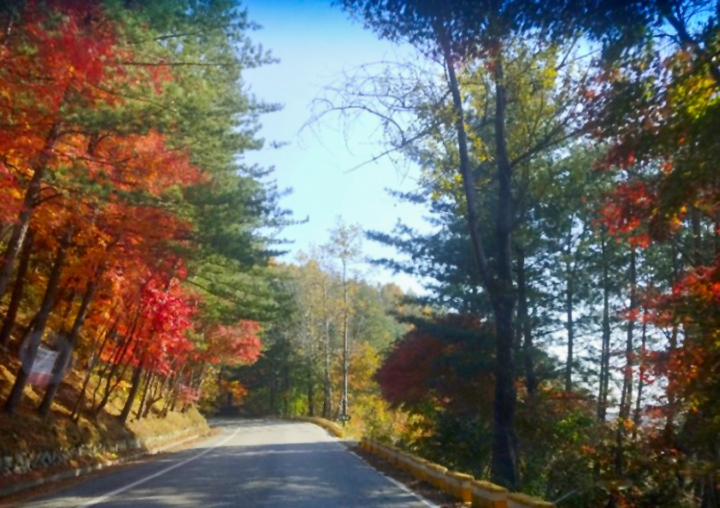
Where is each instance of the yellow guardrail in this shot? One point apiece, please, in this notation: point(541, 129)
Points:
point(461, 486)
point(332, 427)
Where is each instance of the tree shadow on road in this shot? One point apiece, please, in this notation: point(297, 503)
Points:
point(306, 475)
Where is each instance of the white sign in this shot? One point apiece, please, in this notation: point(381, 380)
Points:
point(42, 368)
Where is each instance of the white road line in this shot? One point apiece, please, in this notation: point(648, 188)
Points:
point(115, 492)
point(402, 486)
point(414, 494)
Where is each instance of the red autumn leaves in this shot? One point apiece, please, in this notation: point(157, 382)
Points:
point(83, 179)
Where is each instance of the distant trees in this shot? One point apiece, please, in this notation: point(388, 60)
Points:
point(337, 328)
point(344, 244)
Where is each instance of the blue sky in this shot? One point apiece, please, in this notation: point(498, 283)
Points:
point(315, 42)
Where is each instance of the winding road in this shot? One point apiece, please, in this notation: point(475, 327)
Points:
point(251, 463)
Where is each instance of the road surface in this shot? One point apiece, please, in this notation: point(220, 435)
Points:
point(251, 463)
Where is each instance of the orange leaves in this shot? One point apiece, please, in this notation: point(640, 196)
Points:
point(642, 240)
point(235, 388)
point(233, 345)
point(89, 144)
point(57, 53)
point(62, 84)
point(404, 375)
point(141, 162)
point(10, 195)
point(629, 205)
point(701, 284)
point(692, 308)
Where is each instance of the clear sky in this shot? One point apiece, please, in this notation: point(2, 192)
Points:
point(315, 42)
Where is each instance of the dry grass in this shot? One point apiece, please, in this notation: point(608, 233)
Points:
point(27, 431)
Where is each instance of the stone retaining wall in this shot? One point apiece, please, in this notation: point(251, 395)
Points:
point(36, 460)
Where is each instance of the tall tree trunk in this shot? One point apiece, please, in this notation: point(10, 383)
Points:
point(605, 349)
point(504, 460)
point(143, 399)
point(40, 320)
point(286, 383)
point(669, 431)
point(140, 369)
point(94, 360)
point(168, 400)
point(175, 400)
point(346, 346)
point(117, 358)
point(118, 372)
point(468, 181)
point(173, 393)
point(156, 395)
point(66, 353)
point(570, 326)
point(311, 394)
point(527, 345)
point(327, 388)
point(219, 380)
point(641, 377)
point(697, 256)
point(29, 201)
point(273, 394)
point(18, 289)
point(116, 363)
point(500, 288)
point(626, 396)
point(5, 232)
point(68, 297)
point(135, 386)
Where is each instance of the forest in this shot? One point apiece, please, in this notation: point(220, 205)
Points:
point(135, 240)
point(566, 341)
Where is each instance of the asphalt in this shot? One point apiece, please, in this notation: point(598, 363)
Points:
point(251, 463)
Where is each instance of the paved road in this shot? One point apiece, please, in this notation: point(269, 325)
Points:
point(252, 463)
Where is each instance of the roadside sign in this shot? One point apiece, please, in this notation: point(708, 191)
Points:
point(41, 371)
point(188, 395)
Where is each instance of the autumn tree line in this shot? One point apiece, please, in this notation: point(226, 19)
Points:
point(320, 359)
point(133, 234)
point(566, 345)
